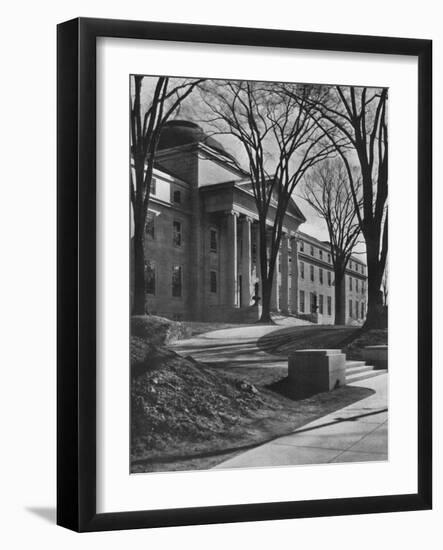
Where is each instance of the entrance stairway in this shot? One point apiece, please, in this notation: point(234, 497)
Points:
point(359, 370)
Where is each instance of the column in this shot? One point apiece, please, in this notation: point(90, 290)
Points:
point(284, 306)
point(231, 259)
point(257, 258)
point(246, 262)
point(293, 302)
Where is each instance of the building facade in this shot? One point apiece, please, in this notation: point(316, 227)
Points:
point(201, 242)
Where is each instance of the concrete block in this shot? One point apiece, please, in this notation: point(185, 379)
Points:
point(377, 356)
point(312, 371)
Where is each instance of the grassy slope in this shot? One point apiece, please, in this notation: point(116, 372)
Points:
point(349, 339)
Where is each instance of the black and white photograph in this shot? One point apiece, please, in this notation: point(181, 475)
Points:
point(258, 273)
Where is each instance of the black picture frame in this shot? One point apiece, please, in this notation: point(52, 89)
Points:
point(76, 294)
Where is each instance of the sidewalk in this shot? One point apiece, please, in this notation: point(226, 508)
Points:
point(234, 346)
point(357, 433)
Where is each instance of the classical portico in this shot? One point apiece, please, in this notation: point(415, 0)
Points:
point(240, 267)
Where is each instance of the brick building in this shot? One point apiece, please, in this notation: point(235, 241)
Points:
point(201, 242)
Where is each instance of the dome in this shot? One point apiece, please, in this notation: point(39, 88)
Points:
point(182, 132)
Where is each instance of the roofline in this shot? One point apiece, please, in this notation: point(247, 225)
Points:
point(326, 246)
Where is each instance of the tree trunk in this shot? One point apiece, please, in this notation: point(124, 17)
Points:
point(139, 304)
point(266, 301)
point(339, 295)
point(375, 317)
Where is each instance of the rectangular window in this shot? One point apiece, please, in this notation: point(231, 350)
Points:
point(177, 196)
point(312, 251)
point(356, 309)
point(176, 281)
point(153, 186)
point(350, 308)
point(356, 285)
point(213, 281)
point(312, 272)
point(362, 310)
point(320, 274)
point(320, 253)
point(329, 258)
point(329, 278)
point(150, 278)
point(302, 246)
point(213, 240)
point(320, 303)
point(350, 283)
point(363, 287)
point(302, 301)
point(176, 233)
point(329, 305)
point(302, 270)
point(150, 225)
point(313, 302)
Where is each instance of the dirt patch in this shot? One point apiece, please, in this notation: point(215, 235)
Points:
point(158, 330)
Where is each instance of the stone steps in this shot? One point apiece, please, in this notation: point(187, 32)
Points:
point(359, 370)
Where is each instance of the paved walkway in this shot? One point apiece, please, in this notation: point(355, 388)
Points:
point(357, 433)
point(234, 346)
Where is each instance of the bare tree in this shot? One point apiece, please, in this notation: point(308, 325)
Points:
point(384, 286)
point(359, 117)
point(281, 143)
point(147, 121)
point(327, 191)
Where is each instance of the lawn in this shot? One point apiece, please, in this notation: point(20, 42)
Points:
point(351, 340)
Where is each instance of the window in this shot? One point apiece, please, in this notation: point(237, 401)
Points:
point(320, 274)
point(320, 303)
point(356, 285)
point(362, 310)
point(329, 305)
point(153, 186)
point(312, 272)
point(313, 302)
point(302, 301)
point(329, 278)
point(356, 309)
point(213, 281)
point(302, 270)
point(177, 197)
point(350, 283)
point(362, 287)
point(329, 258)
point(176, 281)
point(302, 246)
point(213, 240)
point(150, 225)
point(176, 233)
point(150, 278)
point(320, 253)
point(312, 250)
point(350, 308)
